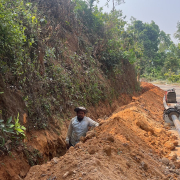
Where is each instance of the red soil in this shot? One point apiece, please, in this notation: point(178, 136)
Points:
point(131, 144)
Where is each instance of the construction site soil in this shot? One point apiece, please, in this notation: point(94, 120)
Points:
point(133, 143)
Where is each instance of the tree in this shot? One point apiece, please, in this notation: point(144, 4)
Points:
point(118, 2)
point(165, 41)
point(16, 19)
point(177, 34)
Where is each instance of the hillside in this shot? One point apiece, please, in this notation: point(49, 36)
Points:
point(64, 62)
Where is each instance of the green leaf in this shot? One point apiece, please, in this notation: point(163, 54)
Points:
point(19, 130)
point(3, 141)
point(1, 92)
point(1, 120)
point(22, 127)
point(8, 130)
point(9, 120)
point(2, 125)
point(10, 125)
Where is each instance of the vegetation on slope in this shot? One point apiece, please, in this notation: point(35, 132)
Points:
point(59, 54)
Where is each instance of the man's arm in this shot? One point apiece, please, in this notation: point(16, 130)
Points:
point(92, 123)
point(69, 133)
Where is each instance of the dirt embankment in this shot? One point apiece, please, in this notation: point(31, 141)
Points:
point(130, 144)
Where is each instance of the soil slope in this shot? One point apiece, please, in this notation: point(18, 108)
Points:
point(131, 144)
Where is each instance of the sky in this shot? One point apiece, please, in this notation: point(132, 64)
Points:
point(165, 13)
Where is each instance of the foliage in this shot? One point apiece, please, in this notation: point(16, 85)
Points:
point(9, 130)
point(54, 76)
point(18, 128)
point(172, 77)
point(16, 19)
point(160, 54)
point(6, 128)
point(33, 156)
point(120, 43)
point(177, 34)
point(90, 16)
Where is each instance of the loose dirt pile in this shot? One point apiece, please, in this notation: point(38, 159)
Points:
point(131, 144)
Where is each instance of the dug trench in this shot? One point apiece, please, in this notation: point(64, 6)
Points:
point(132, 143)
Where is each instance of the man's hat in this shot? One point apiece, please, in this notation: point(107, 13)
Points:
point(81, 109)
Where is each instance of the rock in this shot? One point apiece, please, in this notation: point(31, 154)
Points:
point(149, 133)
point(71, 149)
point(174, 137)
point(90, 135)
point(171, 164)
point(177, 164)
point(158, 131)
point(175, 143)
point(173, 156)
point(66, 174)
point(134, 99)
point(169, 134)
point(82, 139)
point(144, 126)
point(92, 150)
point(169, 145)
point(55, 160)
point(83, 173)
point(107, 150)
point(78, 145)
point(110, 138)
point(165, 161)
point(43, 175)
point(167, 125)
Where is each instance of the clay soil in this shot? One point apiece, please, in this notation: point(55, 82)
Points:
point(131, 144)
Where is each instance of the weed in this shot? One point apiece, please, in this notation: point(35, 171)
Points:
point(10, 154)
point(34, 157)
point(18, 128)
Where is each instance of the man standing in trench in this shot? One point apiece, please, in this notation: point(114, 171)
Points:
point(78, 126)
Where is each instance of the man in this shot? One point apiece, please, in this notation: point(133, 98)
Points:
point(79, 126)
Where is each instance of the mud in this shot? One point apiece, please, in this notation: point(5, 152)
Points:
point(131, 144)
